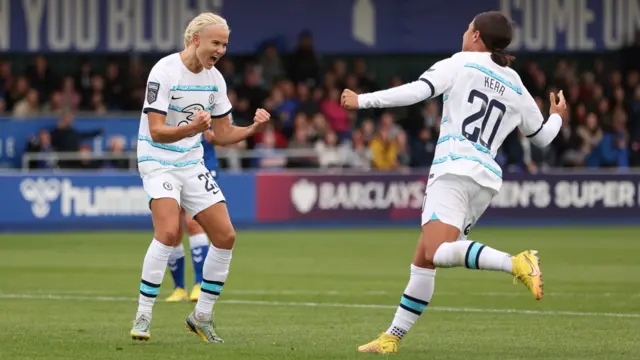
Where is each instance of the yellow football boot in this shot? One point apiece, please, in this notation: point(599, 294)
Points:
point(385, 344)
point(178, 295)
point(195, 292)
point(526, 268)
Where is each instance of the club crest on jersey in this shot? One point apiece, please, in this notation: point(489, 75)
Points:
point(152, 92)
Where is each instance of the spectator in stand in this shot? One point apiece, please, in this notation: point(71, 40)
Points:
point(423, 149)
point(65, 138)
point(305, 67)
point(301, 142)
point(117, 146)
point(271, 65)
point(41, 145)
point(384, 150)
point(29, 106)
point(336, 115)
point(42, 78)
point(330, 154)
point(267, 155)
point(612, 150)
point(358, 155)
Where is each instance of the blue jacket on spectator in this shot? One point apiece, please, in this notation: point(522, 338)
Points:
point(608, 153)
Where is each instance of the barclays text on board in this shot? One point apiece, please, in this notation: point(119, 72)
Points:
point(366, 26)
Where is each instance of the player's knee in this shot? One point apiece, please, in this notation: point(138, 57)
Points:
point(169, 235)
point(226, 239)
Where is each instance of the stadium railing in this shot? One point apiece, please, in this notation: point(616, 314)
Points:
point(131, 156)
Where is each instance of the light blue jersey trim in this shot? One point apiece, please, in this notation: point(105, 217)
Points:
point(454, 157)
point(459, 137)
point(194, 88)
point(180, 108)
point(166, 163)
point(491, 73)
point(168, 147)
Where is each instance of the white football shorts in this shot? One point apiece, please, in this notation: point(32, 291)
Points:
point(457, 201)
point(194, 188)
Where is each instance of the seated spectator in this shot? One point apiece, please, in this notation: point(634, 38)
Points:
point(41, 145)
point(330, 155)
point(336, 115)
point(357, 153)
point(29, 106)
point(384, 150)
point(267, 155)
point(116, 147)
point(301, 141)
point(612, 151)
point(423, 149)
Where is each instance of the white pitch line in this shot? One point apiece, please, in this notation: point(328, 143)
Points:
point(515, 293)
point(336, 305)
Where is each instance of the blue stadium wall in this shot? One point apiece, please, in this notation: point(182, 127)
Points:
point(98, 201)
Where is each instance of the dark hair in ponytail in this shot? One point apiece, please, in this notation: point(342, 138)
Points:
point(496, 33)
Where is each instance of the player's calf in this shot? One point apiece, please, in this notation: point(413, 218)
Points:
point(217, 225)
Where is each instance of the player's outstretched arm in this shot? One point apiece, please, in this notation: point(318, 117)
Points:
point(541, 132)
point(164, 134)
point(403, 95)
point(224, 133)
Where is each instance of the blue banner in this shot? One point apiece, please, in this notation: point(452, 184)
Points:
point(41, 202)
point(69, 202)
point(15, 134)
point(338, 26)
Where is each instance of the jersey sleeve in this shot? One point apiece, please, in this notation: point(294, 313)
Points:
point(534, 126)
point(158, 91)
point(532, 118)
point(221, 103)
point(433, 82)
point(440, 77)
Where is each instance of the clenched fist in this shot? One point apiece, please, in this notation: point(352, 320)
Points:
point(260, 120)
point(349, 99)
point(201, 122)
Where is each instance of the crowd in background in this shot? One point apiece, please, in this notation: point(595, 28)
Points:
point(602, 128)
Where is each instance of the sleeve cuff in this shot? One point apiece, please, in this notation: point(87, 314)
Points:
point(221, 115)
point(149, 109)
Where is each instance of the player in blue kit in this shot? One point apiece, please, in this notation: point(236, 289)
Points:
point(198, 242)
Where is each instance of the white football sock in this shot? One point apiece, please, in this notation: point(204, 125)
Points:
point(215, 272)
point(153, 268)
point(414, 301)
point(472, 255)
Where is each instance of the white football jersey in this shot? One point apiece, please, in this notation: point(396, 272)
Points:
point(482, 104)
point(176, 92)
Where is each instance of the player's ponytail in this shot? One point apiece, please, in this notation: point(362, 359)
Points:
point(495, 31)
point(501, 58)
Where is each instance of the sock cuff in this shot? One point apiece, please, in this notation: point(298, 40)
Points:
point(198, 240)
point(223, 254)
point(177, 253)
point(422, 271)
point(162, 248)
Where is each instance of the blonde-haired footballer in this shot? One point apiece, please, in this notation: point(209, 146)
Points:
point(186, 98)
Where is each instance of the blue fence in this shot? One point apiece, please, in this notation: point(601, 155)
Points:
point(68, 201)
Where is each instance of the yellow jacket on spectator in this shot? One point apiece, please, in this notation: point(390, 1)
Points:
point(384, 152)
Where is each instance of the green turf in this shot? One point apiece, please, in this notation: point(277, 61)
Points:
point(282, 283)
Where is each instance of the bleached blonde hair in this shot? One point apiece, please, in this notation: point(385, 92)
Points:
point(201, 22)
